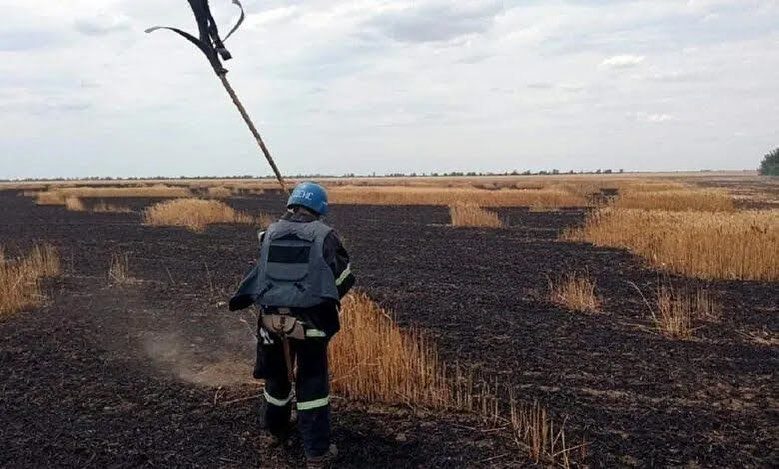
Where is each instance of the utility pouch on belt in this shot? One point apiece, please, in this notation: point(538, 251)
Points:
point(284, 326)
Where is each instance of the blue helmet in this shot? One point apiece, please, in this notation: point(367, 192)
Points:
point(310, 195)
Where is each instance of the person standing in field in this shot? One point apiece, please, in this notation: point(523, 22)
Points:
point(302, 273)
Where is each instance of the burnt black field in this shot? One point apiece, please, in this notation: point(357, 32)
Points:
point(157, 372)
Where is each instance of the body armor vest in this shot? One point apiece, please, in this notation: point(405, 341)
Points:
point(292, 269)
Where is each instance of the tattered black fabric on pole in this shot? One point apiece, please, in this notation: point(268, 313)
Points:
point(214, 49)
point(208, 41)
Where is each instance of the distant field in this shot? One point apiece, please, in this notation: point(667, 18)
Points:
point(596, 320)
point(738, 176)
point(746, 186)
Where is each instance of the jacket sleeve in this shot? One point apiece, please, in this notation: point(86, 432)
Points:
point(246, 294)
point(338, 259)
point(247, 291)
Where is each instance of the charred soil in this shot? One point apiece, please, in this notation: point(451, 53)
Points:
point(156, 372)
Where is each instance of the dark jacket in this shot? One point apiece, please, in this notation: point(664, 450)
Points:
point(324, 316)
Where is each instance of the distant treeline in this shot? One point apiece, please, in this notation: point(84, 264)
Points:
point(551, 172)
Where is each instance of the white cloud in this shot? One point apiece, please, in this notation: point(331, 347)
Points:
point(102, 24)
point(434, 21)
point(389, 85)
point(676, 76)
point(655, 118)
point(272, 16)
point(622, 61)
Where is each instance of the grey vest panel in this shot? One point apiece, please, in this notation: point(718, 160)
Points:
point(293, 272)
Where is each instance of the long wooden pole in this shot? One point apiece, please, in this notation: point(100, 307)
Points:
point(255, 132)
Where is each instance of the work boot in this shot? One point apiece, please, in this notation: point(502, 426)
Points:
point(279, 437)
point(323, 461)
point(275, 441)
point(280, 441)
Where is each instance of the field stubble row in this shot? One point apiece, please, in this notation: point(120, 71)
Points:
point(196, 214)
point(675, 312)
point(373, 360)
point(675, 226)
point(20, 277)
point(549, 192)
point(708, 245)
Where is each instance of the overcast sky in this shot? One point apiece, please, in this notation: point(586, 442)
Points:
point(390, 86)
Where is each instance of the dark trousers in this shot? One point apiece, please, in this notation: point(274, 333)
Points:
point(312, 391)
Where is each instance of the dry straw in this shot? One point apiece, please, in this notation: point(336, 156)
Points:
point(400, 195)
point(676, 200)
point(119, 269)
point(60, 195)
point(219, 192)
point(48, 198)
point(676, 311)
point(20, 278)
point(102, 207)
point(464, 214)
point(250, 188)
point(74, 204)
point(709, 245)
point(195, 214)
point(575, 292)
point(372, 359)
